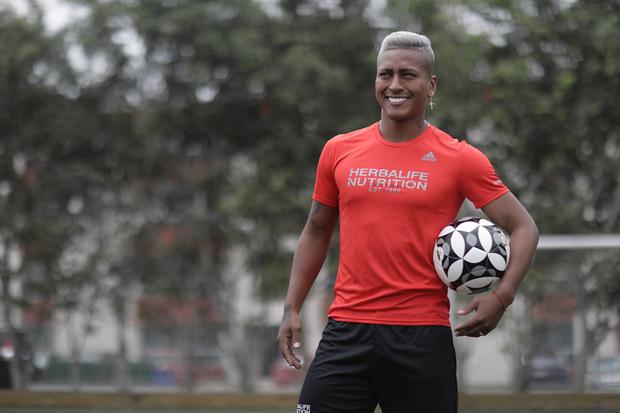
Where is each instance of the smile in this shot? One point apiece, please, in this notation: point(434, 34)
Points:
point(397, 99)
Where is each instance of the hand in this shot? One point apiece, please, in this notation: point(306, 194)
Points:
point(488, 313)
point(289, 336)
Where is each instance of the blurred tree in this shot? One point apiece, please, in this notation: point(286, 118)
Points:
point(318, 83)
point(61, 157)
point(534, 85)
point(199, 84)
point(158, 139)
point(236, 105)
point(550, 84)
point(35, 193)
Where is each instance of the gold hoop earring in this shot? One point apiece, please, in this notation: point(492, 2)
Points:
point(430, 103)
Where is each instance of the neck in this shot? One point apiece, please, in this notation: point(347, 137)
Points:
point(401, 131)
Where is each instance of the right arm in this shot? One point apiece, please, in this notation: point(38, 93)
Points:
point(307, 262)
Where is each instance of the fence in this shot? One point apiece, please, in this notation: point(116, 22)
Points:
point(561, 334)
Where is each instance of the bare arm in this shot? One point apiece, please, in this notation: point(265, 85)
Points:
point(510, 215)
point(309, 258)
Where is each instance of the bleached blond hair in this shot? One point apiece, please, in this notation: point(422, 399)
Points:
point(407, 40)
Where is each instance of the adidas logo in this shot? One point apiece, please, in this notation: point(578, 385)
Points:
point(430, 156)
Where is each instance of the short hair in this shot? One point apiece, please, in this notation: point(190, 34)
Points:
point(407, 40)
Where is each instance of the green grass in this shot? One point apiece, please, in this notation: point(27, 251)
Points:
point(76, 402)
point(65, 410)
point(137, 410)
point(147, 410)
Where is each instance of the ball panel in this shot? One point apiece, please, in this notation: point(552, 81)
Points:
point(497, 261)
point(477, 271)
point(486, 223)
point(471, 239)
point(462, 289)
point(480, 282)
point(437, 262)
point(455, 270)
point(445, 247)
point(457, 243)
point(445, 231)
point(467, 226)
point(475, 255)
point(471, 255)
point(485, 238)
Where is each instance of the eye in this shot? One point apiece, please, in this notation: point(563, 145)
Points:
point(384, 75)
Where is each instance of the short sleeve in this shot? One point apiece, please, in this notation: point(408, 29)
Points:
point(325, 188)
point(478, 180)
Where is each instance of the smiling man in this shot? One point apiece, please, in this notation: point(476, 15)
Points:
point(393, 185)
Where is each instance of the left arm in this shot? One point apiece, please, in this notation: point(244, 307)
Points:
point(510, 215)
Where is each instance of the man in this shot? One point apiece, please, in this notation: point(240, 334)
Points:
point(394, 185)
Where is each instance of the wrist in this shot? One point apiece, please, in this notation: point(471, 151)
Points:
point(289, 308)
point(505, 297)
point(500, 300)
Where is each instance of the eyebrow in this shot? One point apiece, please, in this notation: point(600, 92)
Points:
point(400, 70)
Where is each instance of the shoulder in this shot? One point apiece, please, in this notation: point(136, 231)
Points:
point(353, 136)
point(341, 145)
point(443, 137)
point(459, 147)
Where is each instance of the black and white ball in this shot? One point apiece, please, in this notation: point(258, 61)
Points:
point(471, 255)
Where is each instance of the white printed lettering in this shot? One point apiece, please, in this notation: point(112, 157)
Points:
point(377, 178)
point(303, 408)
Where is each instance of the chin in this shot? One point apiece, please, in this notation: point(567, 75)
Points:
point(403, 114)
point(400, 117)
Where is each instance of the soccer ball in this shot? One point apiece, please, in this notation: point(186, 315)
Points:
point(471, 255)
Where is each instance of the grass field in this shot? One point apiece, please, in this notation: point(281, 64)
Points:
point(141, 410)
point(137, 410)
point(69, 402)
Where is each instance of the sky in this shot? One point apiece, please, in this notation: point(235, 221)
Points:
point(57, 12)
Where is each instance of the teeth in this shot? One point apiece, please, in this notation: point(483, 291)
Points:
point(396, 99)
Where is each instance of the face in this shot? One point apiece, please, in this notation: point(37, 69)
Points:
point(404, 82)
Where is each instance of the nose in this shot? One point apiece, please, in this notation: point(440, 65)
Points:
point(395, 84)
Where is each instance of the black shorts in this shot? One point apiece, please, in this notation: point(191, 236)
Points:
point(403, 369)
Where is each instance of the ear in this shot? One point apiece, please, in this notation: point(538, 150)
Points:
point(433, 88)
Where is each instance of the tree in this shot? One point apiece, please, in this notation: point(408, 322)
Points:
point(193, 129)
point(61, 156)
point(208, 68)
point(531, 86)
point(34, 220)
point(553, 118)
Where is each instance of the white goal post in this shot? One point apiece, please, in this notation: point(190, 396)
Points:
point(575, 241)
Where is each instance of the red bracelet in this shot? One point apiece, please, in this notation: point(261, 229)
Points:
point(500, 300)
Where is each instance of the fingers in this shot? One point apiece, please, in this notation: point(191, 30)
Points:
point(486, 318)
point(286, 348)
point(296, 336)
point(472, 328)
point(472, 331)
point(473, 305)
point(289, 339)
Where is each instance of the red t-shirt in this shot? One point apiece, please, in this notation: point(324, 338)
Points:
point(393, 200)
